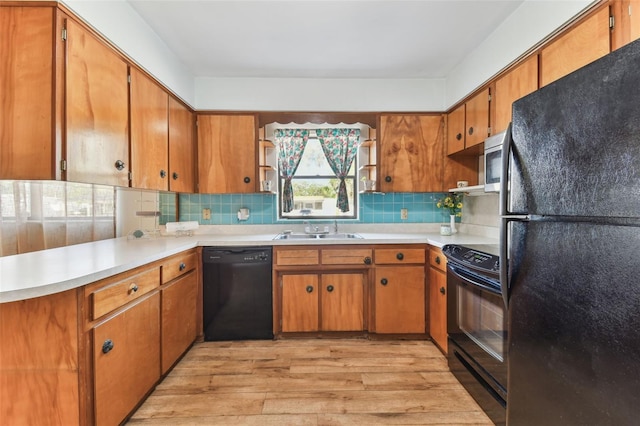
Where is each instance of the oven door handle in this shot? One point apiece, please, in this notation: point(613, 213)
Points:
point(468, 278)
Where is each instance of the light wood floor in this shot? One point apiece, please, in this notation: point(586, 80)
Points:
point(311, 382)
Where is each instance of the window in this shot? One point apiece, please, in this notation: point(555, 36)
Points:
point(315, 188)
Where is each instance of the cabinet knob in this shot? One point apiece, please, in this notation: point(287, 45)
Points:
point(399, 256)
point(387, 179)
point(470, 130)
point(133, 288)
point(367, 260)
point(438, 260)
point(309, 289)
point(107, 346)
point(384, 281)
point(442, 290)
point(247, 179)
point(182, 266)
point(329, 288)
point(459, 136)
point(174, 176)
point(119, 165)
point(163, 174)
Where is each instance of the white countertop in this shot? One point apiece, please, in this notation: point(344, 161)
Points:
point(52, 271)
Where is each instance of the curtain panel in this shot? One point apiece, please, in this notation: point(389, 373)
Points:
point(340, 146)
point(291, 144)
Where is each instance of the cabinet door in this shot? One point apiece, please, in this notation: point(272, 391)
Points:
point(149, 133)
point(477, 119)
point(178, 318)
point(400, 299)
point(97, 111)
point(182, 158)
point(581, 45)
point(438, 307)
point(342, 302)
point(517, 83)
point(456, 130)
point(27, 146)
point(299, 302)
point(127, 371)
point(627, 22)
point(412, 153)
point(226, 153)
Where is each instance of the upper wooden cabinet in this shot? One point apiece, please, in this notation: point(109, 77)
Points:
point(512, 86)
point(456, 130)
point(411, 152)
point(28, 84)
point(579, 46)
point(227, 146)
point(626, 14)
point(182, 156)
point(468, 125)
point(97, 111)
point(149, 133)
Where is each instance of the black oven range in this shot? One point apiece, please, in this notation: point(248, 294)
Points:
point(477, 325)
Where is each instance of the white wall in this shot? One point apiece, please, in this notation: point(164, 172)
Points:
point(531, 23)
point(276, 94)
point(119, 22)
point(527, 26)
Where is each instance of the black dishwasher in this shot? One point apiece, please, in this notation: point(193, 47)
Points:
point(236, 290)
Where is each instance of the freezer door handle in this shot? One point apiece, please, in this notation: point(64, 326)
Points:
point(504, 173)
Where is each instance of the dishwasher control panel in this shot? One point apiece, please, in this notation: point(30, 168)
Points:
point(239, 255)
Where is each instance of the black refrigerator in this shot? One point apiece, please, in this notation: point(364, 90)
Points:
point(570, 231)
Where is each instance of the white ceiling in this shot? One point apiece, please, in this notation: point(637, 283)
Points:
point(323, 38)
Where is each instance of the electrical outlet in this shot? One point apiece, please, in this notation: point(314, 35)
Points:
point(404, 214)
point(206, 214)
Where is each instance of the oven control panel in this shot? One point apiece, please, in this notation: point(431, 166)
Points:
point(476, 257)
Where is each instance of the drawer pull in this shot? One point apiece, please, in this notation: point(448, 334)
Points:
point(133, 288)
point(384, 281)
point(367, 260)
point(442, 290)
point(163, 174)
point(309, 289)
point(175, 176)
point(107, 346)
point(399, 256)
point(459, 136)
point(182, 266)
point(330, 288)
point(438, 260)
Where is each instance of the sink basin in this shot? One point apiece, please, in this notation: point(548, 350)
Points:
point(295, 237)
point(339, 236)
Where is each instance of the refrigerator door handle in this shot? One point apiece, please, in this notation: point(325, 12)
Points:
point(504, 173)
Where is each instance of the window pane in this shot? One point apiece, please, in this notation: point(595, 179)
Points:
point(317, 197)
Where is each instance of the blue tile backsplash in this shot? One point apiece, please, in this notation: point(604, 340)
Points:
point(374, 208)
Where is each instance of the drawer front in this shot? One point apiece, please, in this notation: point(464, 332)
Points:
point(122, 292)
point(398, 256)
point(297, 257)
point(346, 256)
point(175, 266)
point(437, 259)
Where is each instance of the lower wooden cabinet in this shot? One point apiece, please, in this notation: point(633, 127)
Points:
point(399, 299)
point(438, 298)
point(126, 359)
point(322, 302)
point(356, 288)
point(342, 302)
point(179, 301)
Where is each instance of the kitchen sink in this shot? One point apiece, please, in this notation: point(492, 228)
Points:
point(339, 236)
